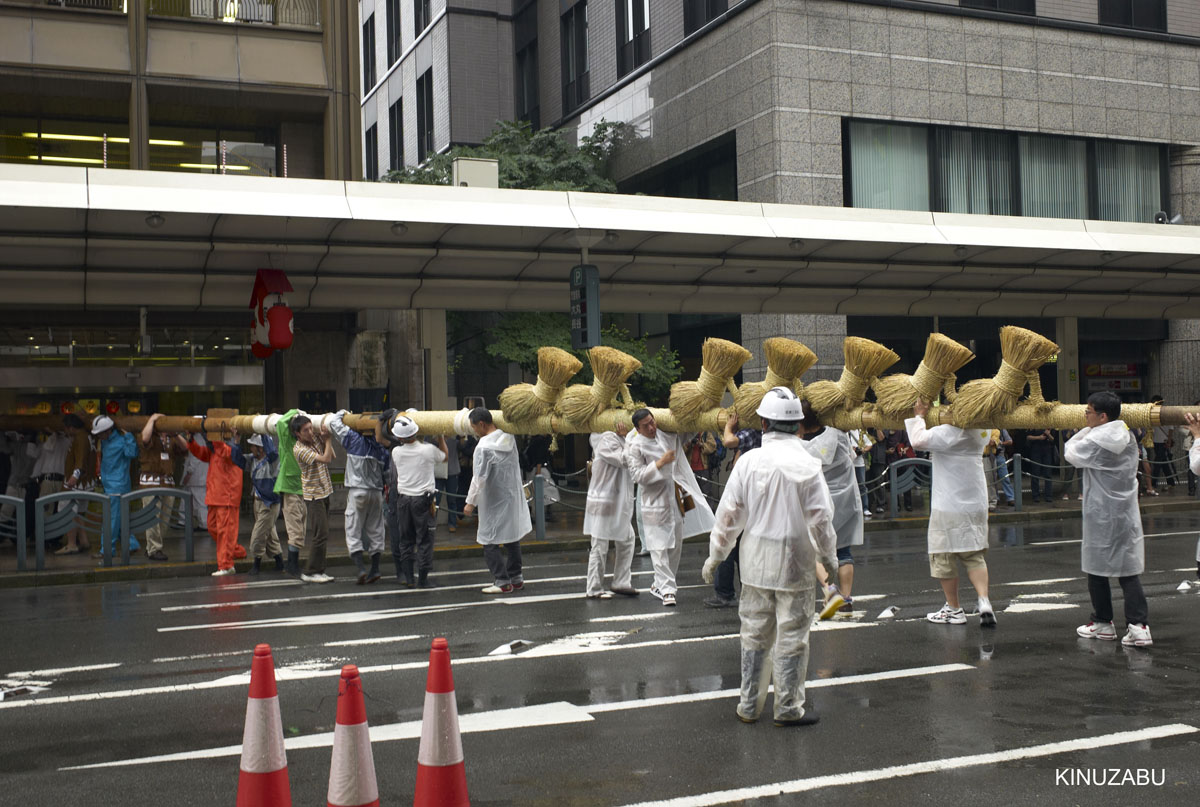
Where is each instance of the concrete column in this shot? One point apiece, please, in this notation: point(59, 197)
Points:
point(433, 346)
point(139, 106)
point(1066, 334)
point(1174, 370)
point(1185, 182)
point(822, 333)
point(405, 359)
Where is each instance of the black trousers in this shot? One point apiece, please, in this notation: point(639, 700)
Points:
point(414, 531)
point(1136, 609)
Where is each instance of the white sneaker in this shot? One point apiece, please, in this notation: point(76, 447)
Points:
point(1137, 636)
point(1103, 631)
point(310, 578)
point(668, 600)
point(948, 616)
point(868, 515)
point(495, 589)
point(323, 578)
point(223, 572)
point(603, 595)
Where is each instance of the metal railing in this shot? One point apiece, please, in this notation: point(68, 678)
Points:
point(60, 520)
point(300, 13)
point(119, 6)
point(148, 516)
point(17, 531)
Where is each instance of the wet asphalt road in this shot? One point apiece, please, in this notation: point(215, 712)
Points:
point(137, 670)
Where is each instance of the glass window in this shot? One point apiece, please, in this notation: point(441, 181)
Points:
point(633, 34)
point(396, 136)
point(1054, 180)
point(527, 87)
point(574, 42)
point(420, 16)
point(889, 166)
point(425, 115)
point(393, 31)
point(368, 54)
point(1014, 6)
point(974, 172)
point(1145, 15)
point(1128, 181)
point(98, 144)
point(371, 154)
point(699, 13)
point(206, 151)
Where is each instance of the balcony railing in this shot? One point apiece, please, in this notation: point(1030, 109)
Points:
point(91, 5)
point(300, 13)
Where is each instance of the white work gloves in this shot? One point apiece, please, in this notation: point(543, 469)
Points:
point(709, 572)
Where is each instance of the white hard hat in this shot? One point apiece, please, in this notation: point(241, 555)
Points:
point(255, 440)
point(404, 427)
point(102, 424)
point(780, 404)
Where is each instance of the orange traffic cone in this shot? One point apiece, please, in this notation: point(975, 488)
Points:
point(441, 773)
point(352, 769)
point(263, 781)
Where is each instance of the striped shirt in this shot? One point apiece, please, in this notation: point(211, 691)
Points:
point(314, 475)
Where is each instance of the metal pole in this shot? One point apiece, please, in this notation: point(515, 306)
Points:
point(539, 508)
point(105, 153)
point(222, 156)
point(1017, 481)
point(285, 160)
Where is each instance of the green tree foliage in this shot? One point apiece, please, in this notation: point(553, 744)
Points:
point(543, 160)
point(518, 336)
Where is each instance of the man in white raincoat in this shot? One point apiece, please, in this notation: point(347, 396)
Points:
point(777, 499)
point(665, 481)
point(834, 450)
point(1106, 453)
point(497, 492)
point(1193, 426)
point(958, 512)
point(608, 515)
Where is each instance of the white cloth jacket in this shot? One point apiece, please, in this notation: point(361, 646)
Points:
point(1108, 455)
point(609, 511)
point(958, 510)
point(833, 449)
point(659, 512)
point(777, 498)
point(496, 491)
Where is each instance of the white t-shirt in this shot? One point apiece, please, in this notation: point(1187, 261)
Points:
point(414, 467)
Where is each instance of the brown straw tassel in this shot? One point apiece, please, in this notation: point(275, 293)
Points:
point(610, 369)
point(721, 360)
point(865, 360)
point(897, 393)
point(979, 402)
point(787, 360)
point(528, 401)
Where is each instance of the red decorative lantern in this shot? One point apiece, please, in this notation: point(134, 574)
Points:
point(271, 327)
point(112, 407)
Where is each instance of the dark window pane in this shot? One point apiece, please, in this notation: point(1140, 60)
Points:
point(371, 154)
point(1013, 6)
point(368, 49)
point(1145, 15)
point(425, 115)
point(393, 31)
point(396, 136)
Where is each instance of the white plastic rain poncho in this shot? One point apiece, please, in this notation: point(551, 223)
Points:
point(958, 510)
point(1112, 523)
point(609, 511)
point(833, 449)
point(496, 490)
point(777, 497)
point(778, 500)
point(658, 511)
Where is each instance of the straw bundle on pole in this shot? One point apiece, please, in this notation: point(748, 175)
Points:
point(787, 360)
point(979, 402)
point(527, 401)
point(865, 360)
point(943, 356)
point(611, 369)
point(721, 360)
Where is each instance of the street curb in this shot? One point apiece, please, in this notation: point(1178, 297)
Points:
point(167, 571)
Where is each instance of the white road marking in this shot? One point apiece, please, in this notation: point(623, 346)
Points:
point(522, 717)
point(1028, 607)
point(59, 671)
point(1053, 543)
point(633, 617)
point(1045, 582)
point(693, 697)
point(1042, 595)
point(931, 766)
point(375, 640)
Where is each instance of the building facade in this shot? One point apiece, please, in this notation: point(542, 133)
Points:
point(1079, 109)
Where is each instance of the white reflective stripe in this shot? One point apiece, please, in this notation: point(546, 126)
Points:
point(262, 741)
point(440, 742)
point(352, 768)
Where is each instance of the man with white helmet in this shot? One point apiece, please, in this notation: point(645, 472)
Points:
point(669, 502)
point(608, 515)
point(416, 492)
point(958, 512)
point(777, 499)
